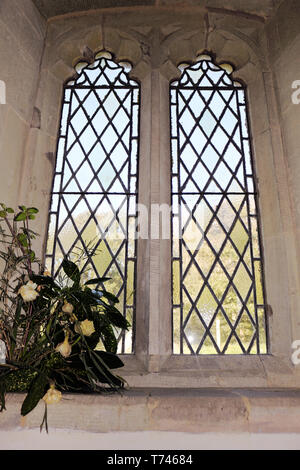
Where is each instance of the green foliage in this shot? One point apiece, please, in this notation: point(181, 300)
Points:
point(57, 333)
point(71, 271)
point(103, 264)
point(37, 389)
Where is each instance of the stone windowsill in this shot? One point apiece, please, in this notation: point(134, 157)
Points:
point(155, 409)
point(197, 372)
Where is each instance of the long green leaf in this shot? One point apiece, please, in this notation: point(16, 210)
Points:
point(111, 360)
point(102, 371)
point(97, 280)
point(71, 270)
point(109, 339)
point(110, 296)
point(116, 317)
point(35, 393)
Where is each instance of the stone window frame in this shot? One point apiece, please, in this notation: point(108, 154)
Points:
point(155, 56)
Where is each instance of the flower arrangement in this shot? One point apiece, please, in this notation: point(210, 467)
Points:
point(50, 331)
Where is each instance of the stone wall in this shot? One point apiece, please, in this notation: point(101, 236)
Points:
point(22, 33)
point(283, 40)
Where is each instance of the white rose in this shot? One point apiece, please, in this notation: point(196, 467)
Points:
point(85, 327)
point(28, 291)
point(67, 307)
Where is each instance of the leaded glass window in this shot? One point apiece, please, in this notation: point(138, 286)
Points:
point(217, 270)
point(94, 196)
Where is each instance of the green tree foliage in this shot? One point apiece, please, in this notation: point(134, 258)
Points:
point(214, 258)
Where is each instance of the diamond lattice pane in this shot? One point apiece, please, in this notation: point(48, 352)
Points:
point(218, 292)
point(95, 182)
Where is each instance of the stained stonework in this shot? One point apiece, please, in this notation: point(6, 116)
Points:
point(51, 8)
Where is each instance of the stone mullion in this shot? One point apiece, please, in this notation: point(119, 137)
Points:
point(154, 244)
point(160, 249)
point(143, 248)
